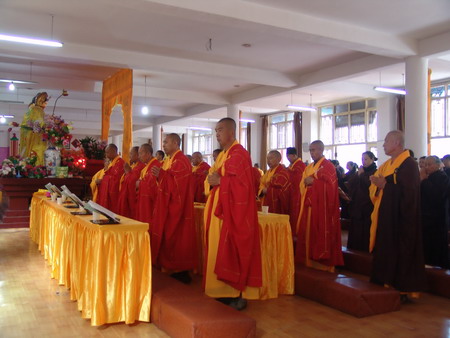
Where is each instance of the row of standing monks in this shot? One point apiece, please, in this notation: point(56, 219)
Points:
point(163, 193)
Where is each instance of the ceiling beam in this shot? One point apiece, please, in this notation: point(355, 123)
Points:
point(435, 46)
point(293, 24)
point(72, 52)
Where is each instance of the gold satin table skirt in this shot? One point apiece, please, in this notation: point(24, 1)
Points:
point(106, 267)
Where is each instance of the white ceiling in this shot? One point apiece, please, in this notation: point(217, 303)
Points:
point(334, 50)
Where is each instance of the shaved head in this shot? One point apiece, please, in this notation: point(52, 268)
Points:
point(197, 158)
point(111, 151)
point(145, 153)
point(316, 149)
point(226, 132)
point(147, 148)
point(273, 158)
point(175, 138)
point(134, 154)
point(394, 143)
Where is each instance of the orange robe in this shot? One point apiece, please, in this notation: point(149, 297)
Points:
point(173, 236)
point(146, 195)
point(319, 228)
point(94, 188)
point(127, 194)
point(296, 170)
point(199, 173)
point(278, 185)
point(232, 230)
point(108, 191)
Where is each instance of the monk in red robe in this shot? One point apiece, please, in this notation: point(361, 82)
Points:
point(173, 236)
point(257, 179)
point(199, 172)
point(127, 194)
point(319, 228)
point(295, 169)
point(233, 265)
point(275, 186)
point(108, 186)
point(146, 186)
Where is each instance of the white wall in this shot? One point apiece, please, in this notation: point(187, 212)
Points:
point(310, 131)
point(386, 122)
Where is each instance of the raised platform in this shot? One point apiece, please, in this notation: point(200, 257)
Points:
point(17, 193)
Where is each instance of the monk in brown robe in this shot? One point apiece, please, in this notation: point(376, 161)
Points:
point(395, 233)
point(319, 228)
point(233, 265)
point(199, 172)
point(173, 236)
point(127, 194)
point(295, 169)
point(146, 186)
point(108, 186)
point(275, 186)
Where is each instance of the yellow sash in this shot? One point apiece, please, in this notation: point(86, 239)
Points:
point(98, 176)
point(144, 171)
point(123, 176)
point(310, 170)
point(292, 164)
point(218, 165)
point(265, 180)
point(168, 161)
point(194, 169)
point(386, 169)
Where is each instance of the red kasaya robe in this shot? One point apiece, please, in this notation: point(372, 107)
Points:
point(257, 179)
point(199, 173)
point(296, 170)
point(319, 228)
point(232, 207)
point(146, 195)
point(278, 194)
point(127, 194)
point(108, 191)
point(173, 236)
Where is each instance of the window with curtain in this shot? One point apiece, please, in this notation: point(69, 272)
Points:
point(281, 133)
point(202, 141)
point(349, 129)
point(440, 119)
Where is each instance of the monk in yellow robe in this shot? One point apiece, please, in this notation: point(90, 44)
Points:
point(30, 141)
point(233, 265)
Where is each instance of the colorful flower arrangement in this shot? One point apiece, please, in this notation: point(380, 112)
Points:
point(54, 130)
point(22, 167)
point(93, 148)
point(74, 160)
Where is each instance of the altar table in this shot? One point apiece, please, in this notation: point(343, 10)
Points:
point(106, 267)
point(277, 253)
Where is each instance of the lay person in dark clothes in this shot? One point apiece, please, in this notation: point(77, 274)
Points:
point(361, 206)
point(396, 239)
point(435, 202)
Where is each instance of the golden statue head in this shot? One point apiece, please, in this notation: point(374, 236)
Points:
point(40, 99)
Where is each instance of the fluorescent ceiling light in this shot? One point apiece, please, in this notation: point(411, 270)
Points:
point(8, 116)
point(199, 128)
point(301, 108)
point(31, 41)
point(246, 120)
point(17, 81)
point(391, 90)
point(11, 86)
point(144, 110)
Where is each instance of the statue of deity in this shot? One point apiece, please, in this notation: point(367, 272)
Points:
point(31, 143)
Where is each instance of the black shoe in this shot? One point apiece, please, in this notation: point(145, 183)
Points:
point(182, 276)
point(238, 304)
point(404, 299)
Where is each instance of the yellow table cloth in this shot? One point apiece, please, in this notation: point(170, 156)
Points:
point(106, 267)
point(277, 253)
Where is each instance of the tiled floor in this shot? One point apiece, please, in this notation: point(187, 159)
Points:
point(33, 305)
